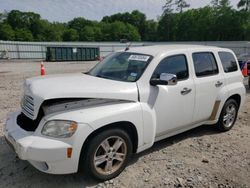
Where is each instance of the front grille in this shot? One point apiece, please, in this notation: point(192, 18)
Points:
point(26, 123)
point(27, 105)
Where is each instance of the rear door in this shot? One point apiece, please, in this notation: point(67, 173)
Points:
point(208, 82)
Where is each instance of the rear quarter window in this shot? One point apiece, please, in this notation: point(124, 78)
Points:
point(228, 62)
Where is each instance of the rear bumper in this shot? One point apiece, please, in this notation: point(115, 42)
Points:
point(45, 154)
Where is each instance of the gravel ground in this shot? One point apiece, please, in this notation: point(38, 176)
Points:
point(201, 157)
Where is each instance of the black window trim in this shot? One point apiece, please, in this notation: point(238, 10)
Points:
point(182, 54)
point(216, 63)
point(237, 64)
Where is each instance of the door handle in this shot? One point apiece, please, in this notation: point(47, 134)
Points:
point(218, 84)
point(185, 91)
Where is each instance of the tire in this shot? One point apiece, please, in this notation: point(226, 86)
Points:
point(249, 82)
point(228, 115)
point(100, 159)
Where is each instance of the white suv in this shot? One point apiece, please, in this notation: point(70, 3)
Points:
point(94, 121)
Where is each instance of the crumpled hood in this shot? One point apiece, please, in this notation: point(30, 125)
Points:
point(77, 85)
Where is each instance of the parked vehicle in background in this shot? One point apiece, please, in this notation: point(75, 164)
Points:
point(94, 121)
point(244, 61)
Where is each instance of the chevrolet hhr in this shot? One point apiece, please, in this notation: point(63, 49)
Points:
point(95, 121)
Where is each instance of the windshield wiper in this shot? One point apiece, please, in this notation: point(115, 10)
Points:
point(110, 78)
point(102, 76)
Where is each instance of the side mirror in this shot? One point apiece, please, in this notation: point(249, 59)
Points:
point(165, 79)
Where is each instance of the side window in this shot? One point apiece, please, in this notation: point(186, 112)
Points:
point(174, 65)
point(205, 64)
point(228, 62)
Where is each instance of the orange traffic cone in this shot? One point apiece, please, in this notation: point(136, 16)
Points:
point(99, 58)
point(244, 70)
point(42, 69)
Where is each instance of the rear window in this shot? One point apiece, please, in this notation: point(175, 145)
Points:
point(228, 62)
point(205, 64)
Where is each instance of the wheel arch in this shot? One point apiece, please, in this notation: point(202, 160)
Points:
point(123, 125)
point(236, 97)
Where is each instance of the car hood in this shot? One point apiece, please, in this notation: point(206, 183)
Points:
point(81, 86)
point(77, 86)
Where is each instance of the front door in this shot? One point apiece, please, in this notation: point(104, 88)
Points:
point(173, 104)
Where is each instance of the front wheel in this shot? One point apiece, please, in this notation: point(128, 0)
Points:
point(228, 115)
point(107, 154)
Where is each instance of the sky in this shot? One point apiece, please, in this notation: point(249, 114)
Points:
point(65, 10)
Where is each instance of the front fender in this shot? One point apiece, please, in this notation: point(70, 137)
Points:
point(101, 115)
point(107, 114)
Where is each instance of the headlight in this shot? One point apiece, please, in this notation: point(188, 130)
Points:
point(59, 128)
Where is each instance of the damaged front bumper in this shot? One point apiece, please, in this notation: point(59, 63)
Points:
point(46, 154)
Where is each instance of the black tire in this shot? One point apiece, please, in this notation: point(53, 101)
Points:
point(249, 82)
point(87, 163)
point(221, 124)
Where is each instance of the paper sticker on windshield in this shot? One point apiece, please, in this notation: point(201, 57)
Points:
point(133, 74)
point(139, 58)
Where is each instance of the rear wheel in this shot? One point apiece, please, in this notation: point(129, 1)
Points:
point(107, 154)
point(228, 115)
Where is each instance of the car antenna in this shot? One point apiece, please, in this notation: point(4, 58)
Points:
point(128, 46)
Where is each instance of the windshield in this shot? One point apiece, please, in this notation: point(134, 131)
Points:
point(122, 66)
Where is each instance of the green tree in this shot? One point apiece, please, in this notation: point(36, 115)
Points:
point(204, 20)
point(23, 35)
point(6, 32)
point(18, 19)
point(132, 33)
point(39, 28)
point(119, 30)
point(227, 23)
point(70, 35)
point(150, 30)
point(138, 20)
point(87, 34)
point(168, 7)
point(3, 16)
point(135, 18)
point(52, 35)
point(245, 4)
point(79, 23)
point(215, 3)
point(224, 3)
point(181, 4)
point(218, 22)
point(58, 30)
point(43, 30)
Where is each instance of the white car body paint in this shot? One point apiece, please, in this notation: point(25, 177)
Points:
point(156, 112)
